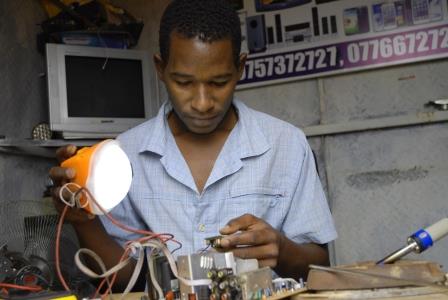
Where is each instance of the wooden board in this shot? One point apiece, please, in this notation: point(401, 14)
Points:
point(413, 271)
point(407, 293)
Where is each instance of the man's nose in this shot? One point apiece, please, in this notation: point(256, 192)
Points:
point(203, 101)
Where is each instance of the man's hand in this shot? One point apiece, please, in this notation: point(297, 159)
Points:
point(251, 237)
point(61, 176)
point(89, 229)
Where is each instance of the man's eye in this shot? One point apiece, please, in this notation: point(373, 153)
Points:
point(183, 83)
point(219, 83)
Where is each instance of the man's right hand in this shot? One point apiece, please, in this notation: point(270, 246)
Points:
point(61, 176)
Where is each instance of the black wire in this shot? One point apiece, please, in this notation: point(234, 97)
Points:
point(204, 249)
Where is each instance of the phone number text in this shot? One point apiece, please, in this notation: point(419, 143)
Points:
point(347, 55)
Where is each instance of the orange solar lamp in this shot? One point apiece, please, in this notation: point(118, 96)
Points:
point(105, 170)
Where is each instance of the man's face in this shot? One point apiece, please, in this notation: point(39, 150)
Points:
point(200, 79)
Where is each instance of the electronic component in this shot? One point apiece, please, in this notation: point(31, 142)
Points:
point(164, 277)
point(19, 270)
point(231, 278)
point(441, 104)
point(256, 284)
point(213, 275)
point(224, 284)
point(6, 268)
point(27, 252)
point(197, 266)
point(214, 241)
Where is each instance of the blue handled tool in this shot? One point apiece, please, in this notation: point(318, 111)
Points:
point(418, 242)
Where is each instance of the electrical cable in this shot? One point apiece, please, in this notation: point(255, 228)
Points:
point(57, 248)
point(204, 249)
point(74, 196)
point(30, 288)
point(150, 239)
point(152, 276)
point(150, 235)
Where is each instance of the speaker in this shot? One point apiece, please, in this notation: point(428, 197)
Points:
point(256, 37)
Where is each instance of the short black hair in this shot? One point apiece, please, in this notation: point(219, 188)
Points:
point(208, 20)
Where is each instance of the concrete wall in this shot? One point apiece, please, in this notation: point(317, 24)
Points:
point(386, 184)
point(150, 13)
point(22, 97)
point(382, 185)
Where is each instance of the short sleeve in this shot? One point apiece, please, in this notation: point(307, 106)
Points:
point(309, 218)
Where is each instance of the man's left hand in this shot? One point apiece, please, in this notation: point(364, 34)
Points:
point(251, 237)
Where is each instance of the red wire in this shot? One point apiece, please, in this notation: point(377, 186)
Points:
point(164, 237)
point(57, 248)
point(114, 276)
point(148, 235)
point(122, 226)
point(31, 288)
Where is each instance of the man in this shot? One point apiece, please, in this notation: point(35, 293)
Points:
point(207, 164)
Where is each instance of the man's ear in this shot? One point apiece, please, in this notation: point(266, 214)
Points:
point(243, 57)
point(160, 65)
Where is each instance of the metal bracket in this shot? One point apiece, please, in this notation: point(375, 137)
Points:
point(441, 104)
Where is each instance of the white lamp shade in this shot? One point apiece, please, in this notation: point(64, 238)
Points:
point(110, 176)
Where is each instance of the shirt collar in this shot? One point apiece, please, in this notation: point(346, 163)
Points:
point(156, 138)
point(251, 140)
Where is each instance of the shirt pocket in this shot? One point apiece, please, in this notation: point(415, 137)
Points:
point(261, 202)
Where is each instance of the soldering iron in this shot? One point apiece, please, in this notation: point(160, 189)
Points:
point(418, 242)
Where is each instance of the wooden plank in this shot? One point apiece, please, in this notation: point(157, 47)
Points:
point(401, 273)
point(407, 293)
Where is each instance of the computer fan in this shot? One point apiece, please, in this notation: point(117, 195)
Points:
point(27, 248)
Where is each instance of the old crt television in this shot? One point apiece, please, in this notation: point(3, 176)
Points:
point(97, 92)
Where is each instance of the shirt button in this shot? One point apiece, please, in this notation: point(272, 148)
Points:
point(201, 227)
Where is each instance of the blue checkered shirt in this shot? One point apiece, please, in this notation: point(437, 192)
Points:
point(266, 168)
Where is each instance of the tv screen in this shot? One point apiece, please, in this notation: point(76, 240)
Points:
point(98, 92)
point(104, 87)
point(268, 5)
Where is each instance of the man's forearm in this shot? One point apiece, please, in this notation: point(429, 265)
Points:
point(294, 258)
point(93, 236)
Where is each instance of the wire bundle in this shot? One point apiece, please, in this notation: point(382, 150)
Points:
point(156, 242)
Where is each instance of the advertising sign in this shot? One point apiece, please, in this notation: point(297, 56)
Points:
point(297, 39)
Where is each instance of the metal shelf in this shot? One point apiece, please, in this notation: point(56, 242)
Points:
point(40, 148)
point(46, 148)
point(420, 118)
